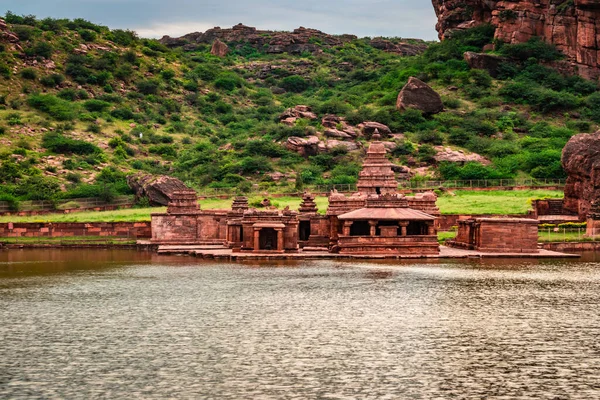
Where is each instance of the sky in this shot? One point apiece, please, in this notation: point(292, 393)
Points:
point(155, 18)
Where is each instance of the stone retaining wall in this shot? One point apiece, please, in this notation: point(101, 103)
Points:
point(134, 230)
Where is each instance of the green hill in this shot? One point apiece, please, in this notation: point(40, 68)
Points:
point(81, 106)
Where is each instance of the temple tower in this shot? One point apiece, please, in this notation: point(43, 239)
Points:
point(377, 176)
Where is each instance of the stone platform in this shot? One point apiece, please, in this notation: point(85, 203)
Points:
point(222, 253)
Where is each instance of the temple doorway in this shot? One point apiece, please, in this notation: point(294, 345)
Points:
point(416, 228)
point(360, 228)
point(304, 230)
point(268, 239)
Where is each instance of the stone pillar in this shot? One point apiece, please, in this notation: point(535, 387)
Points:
point(256, 239)
point(280, 241)
point(430, 229)
point(373, 227)
point(347, 226)
point(403, 228)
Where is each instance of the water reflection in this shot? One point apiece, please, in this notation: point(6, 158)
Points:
point(126, 324)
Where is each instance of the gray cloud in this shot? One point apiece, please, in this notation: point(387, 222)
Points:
point(154, 18)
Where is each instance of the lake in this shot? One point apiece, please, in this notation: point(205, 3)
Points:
point(127, 324)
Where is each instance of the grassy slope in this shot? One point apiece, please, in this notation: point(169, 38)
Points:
point(220, 116)
point(497, 202)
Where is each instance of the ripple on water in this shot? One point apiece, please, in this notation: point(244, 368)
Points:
point(155, 328)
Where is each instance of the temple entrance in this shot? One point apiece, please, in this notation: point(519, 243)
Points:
point(304, 230)
point(241, 233)
point(360, 228)
point(416, 228)
point(268, 239)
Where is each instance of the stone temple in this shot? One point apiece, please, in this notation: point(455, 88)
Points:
point(374, 220)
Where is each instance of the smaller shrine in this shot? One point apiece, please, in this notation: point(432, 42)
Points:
point(497, 235)
point(269, 231)
point(387, 225)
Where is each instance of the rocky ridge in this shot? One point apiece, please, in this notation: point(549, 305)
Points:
point(572, 25)
point(296, 42)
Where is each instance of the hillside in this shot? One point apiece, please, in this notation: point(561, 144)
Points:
point(82, 106)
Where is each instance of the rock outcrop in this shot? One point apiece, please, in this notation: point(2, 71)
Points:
point(458, 156)
point(572, 25)
point(581, 161)
point(403, 48)
point(304, 146)
point(158, 189)
point(291, 115)
point(297, 42)
point(489, 62)
point(219, 49)
point(8, 36)
point(417, 94)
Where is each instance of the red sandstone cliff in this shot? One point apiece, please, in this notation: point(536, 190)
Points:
point(572, 25)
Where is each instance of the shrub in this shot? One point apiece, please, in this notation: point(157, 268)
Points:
point(228, 82)
point(40, 49)
point(29, 73)
point(163, 150)
point(122, 37)
point(59, 109)
point(426, 153)
point(96, 105)
point(58, 143)
point(147, 86)
point(534, 48)
point(52, 80)
point(5, 71)
point(87, 35)
point(38, 188)
point(295, 83)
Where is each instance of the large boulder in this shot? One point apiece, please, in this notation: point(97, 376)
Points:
point(304, 146)
point(158, 189)
point(458, 156)
point(417, 94)
point(487, 62)
point(368, 128)
point(219, 49)
point(581, 161)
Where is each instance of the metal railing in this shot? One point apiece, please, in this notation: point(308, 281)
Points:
point(562, 234)
point(67, 204)
point(415, 184)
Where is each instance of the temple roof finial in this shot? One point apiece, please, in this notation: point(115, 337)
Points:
point(376, 135)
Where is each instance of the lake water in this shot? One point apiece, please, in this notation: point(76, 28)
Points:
point(123, 324)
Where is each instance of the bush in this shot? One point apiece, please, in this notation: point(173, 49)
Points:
point(147, 86)
point(40, 49)
point(295, 83)
point(228, 82)
point(163, 150)
point(59, 109)
point(5, 71)
point(52, 80)
point(534, 48)
point(87, 35)
point(96, 105)
point(29, 73)
point(38, 188)
point(58, 143)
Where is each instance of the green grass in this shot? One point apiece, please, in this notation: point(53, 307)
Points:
point(99, 240)
point(493, 202)
point(443, 236)
point(463, 202)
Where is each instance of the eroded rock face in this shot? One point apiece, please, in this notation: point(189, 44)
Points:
point(158, 189)
point(581, 161)
point(573, 26)
point(417, 94)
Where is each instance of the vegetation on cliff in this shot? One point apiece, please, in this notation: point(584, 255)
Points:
point(82, 106)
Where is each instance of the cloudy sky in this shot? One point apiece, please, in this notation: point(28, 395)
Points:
point(154, 18)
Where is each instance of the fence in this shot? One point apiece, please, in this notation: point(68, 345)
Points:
point(67, 204)
point(414, 185)
point(561, 234)
point(483, 183)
